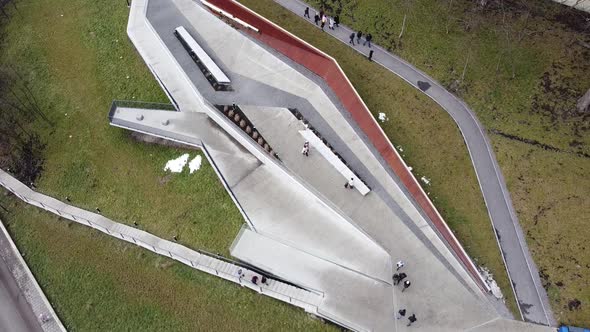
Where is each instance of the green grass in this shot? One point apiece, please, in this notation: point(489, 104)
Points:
point(76, 68)
point(98, 283)
point(440, 155)
point(550, 190)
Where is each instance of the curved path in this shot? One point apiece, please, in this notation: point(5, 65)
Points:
point(531, 297)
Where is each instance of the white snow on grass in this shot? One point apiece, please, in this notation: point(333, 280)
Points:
point(195, 164)
point(176, 165)
point(489, 277)
point(383, 117)
point(425, 180)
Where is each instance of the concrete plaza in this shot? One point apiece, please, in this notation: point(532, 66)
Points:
point(302, 224)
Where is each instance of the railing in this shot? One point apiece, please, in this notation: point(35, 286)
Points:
point(211, 263)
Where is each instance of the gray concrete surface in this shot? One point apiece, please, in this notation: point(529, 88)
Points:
point(23, 307)
point(283, 200)
point(530, 294)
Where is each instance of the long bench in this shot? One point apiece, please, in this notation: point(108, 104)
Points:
point(220, 80)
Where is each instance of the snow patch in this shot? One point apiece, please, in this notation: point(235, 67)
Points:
point(425, 180)
point(489, 278)
point(383, 117)
point(176, 165)
point(195, 164)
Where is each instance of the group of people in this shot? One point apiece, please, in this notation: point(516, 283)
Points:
point(321, 19)
point(254, 278)
point(398, 278)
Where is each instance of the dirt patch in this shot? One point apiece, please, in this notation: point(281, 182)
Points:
point(537, 143)
point(574, 304)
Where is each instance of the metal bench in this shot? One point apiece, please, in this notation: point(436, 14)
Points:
point(201, 57)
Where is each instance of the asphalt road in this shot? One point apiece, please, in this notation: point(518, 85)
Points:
point(531, 296)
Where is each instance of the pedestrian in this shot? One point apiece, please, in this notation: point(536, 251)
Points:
point(322, 24)
point(370, 55)
point(336, 20)
point(331, 24)
point(395, 278)
point(407, 284)
point(263, 280)
point(255, 280)
point(349, 184)
point(358, 37)
point(401, 313)
point(68, 198)
point(351, 41)
point(321, 13)
point(97, 210)
point(324, 20)
point(306, 14)
point(412, 319)
point(240, 274)
point(401, 277)
point(316, 18)
point(400, 264)
point(305, 150)
point(368, 39)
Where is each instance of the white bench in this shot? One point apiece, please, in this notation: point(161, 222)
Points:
point(194, 47)
point(333, 159)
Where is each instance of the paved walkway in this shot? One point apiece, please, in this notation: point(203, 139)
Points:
point(308, 300)
point(530, 294)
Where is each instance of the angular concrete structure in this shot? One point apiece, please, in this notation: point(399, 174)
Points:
point(302, 224)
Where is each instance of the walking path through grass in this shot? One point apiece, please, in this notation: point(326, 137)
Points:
point(533, 302)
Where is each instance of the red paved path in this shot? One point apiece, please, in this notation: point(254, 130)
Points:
point(327, 68)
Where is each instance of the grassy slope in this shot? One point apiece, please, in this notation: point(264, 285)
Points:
point(98, 283)
point(79, 62)
point(549, 189)
point(441, 155)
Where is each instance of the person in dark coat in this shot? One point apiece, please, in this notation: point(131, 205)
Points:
point(368, 39)
point(371, 55)
point(412, 319)
point(351, 41)
point(316, 18)
point(336, 20)
point(358, 37)
point(401, 314)
point(306, 14)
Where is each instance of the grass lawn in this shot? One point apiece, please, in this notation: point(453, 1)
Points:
point(78, 58)
point(440, 156)
point(98, 283)
point(523, 91)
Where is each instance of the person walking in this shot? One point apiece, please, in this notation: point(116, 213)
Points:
point(401, 277)
point(368, 39)
point(407, 284)
point(316, 18)
point(324, 20)
point(401, 314)
point(359, 34)
point(349, 184)
point(331, 23)
point(395, 278)
point(305, 150)
point(399, 265)
point(306, 14)
point(336, 20)
point(370, 55)
point(351, 41)
point(412, 319)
